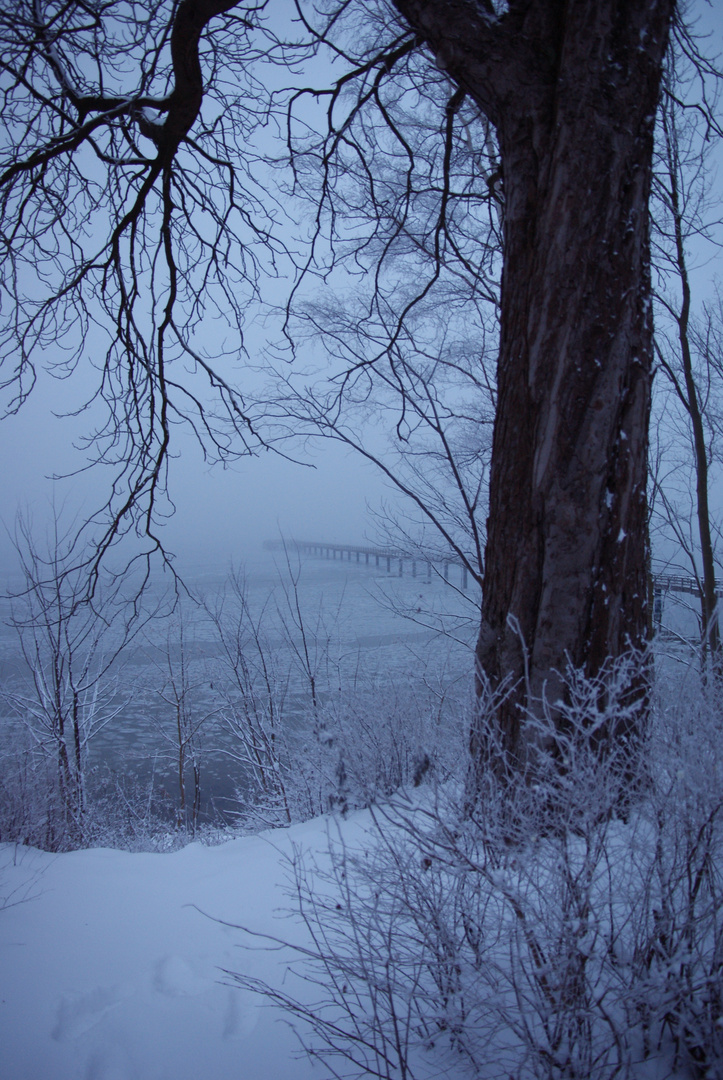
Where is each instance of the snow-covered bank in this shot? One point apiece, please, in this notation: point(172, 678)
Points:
point(111, 962)
point(537, 932)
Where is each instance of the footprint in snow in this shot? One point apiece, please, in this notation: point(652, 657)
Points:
point(78, 1013)
point(175, 977)
point(242, 1013)
point(109, 1063)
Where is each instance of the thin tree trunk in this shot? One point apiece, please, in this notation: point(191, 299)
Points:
point(691, 403)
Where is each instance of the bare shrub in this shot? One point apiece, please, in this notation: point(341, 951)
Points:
point(536, 933)
point(31, 803)
point(310, 731)
point(677, 959)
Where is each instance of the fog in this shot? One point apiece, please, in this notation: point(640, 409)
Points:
point(222, 514)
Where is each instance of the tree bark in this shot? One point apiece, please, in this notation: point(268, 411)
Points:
point(572, 87)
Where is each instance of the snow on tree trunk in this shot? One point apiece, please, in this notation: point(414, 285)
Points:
point(572, 88)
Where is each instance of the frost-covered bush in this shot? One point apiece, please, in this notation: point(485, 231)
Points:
point(31, 806)
point(555, 933)
point(119, 811)
point(354, 747)
point(312, 728)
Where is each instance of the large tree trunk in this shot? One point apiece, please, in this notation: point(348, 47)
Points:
point(572, 88)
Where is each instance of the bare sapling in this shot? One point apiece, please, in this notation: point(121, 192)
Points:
point(68, 688)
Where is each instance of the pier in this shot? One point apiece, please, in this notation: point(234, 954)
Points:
point(393, 560)
point(396, 560)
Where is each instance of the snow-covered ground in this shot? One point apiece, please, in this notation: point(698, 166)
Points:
point(593, 948)
point(111, 963)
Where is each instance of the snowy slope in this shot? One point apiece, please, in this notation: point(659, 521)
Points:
point(109, 970)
